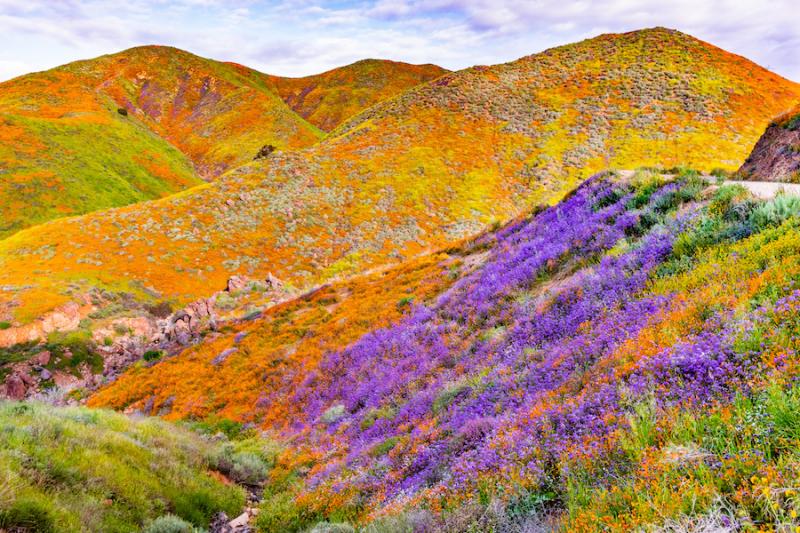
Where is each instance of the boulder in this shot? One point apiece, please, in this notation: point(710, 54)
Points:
point(237, 283)
point(264, 152)
point(42, 358)
point(273, 282)
point(15, 387)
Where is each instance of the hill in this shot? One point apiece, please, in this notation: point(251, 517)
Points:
point(328, 99)
point(409, 175)
point(68, 150)
point(76, 469)
point(624, 360)
point(776, 155)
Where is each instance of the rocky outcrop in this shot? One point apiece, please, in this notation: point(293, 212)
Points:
point(776, 156)
point(124, 340)
point(65, 318)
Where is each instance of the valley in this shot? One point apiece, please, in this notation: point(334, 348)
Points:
point(554, 294)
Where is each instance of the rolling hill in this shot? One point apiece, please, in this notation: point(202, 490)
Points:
point(413, 173)
point(625, 360)
point(328, 99)
point(67, 148)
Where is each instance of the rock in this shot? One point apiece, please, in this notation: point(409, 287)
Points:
point(122, 111)
point(264, 152)
point(42, 358)
point(776, 156)
point(26, 379)
point(65, 318)
point(237, 283)
point(15, 387)
point(240, 521)
point(273, 282)
point(45, 374)
point(239, 336)
point(219, 524)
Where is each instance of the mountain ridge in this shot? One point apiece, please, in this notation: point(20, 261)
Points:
point(438, 162)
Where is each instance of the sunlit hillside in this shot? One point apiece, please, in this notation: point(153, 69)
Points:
point(328, 99)
point(133, 126)
point(438, 163)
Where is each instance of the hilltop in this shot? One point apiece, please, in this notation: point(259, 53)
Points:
point(328, 99)
point(624, 360)
point(410, 174)
point(141, 124)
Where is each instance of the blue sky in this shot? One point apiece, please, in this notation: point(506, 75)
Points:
point(298, 37)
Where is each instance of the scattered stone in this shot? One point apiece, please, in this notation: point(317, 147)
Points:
point(122, 111)
point(45, 374)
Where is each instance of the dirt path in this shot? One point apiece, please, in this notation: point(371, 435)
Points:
point(768, 189)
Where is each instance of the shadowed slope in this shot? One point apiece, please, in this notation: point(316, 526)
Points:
point(776, 155)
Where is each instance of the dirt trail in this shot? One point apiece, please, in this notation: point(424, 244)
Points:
point(768, 189)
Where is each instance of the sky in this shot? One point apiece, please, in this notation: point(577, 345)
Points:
point(301, 37)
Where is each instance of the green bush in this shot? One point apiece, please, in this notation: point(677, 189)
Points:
point(169, 524)
point(326, 527)
point(28, 514)
point(246, 461)
point(775, 211)
point(5, 325)
point(152, 355)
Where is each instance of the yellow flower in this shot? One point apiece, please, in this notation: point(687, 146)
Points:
point(754, 480)
point(793, 513)
point(765, 491)
point(790, 492)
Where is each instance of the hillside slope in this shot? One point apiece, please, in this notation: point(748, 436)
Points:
point(328, 99)
point(411, 174)
point(623, 360)
point(76, 469)
point(67, 150)
point(776, 155)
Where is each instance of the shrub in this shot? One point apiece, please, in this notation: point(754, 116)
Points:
point(774, 212)
point(333, 414)
point(243, 466)
point(28, 514)
point(326, 527)
point(152, 355)
point(5, 325)
point(169, 524)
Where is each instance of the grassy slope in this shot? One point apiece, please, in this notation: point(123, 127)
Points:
point(65, 150)
point(712, 437)
point(433, 165)
point(328, 99)
point(71, 469)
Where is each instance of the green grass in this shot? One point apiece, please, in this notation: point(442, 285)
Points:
point(94, 166)
point(73, 469)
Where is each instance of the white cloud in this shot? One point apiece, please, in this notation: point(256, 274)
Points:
point(297, 37)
